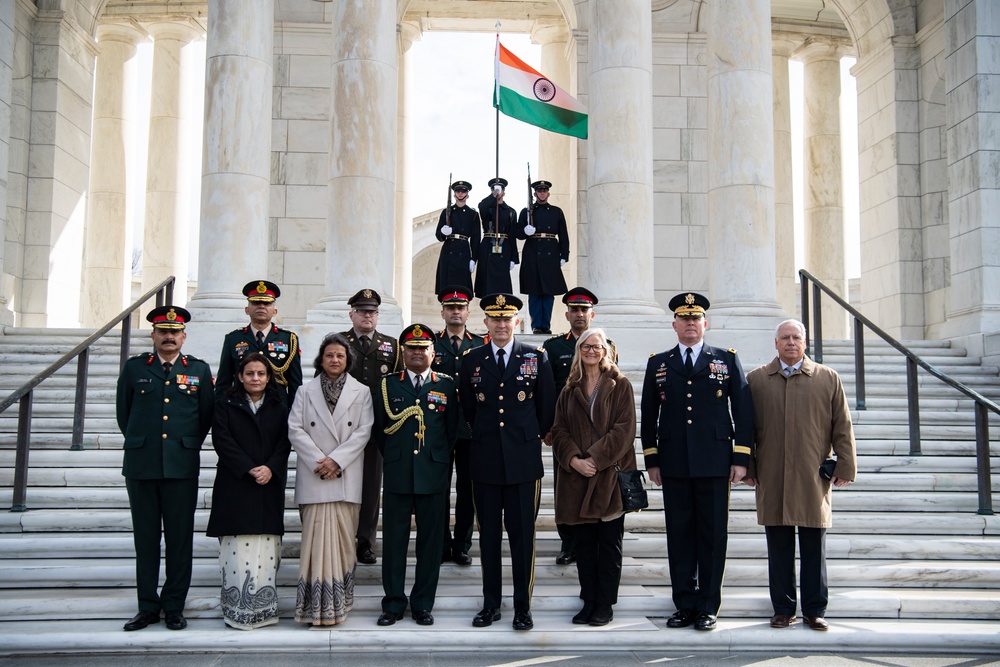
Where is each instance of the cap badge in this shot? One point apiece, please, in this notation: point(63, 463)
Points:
point(367, 293)
point(689, 299)
point(261, 287)
point(418, 332)
point(501, 301)
point(171, 315)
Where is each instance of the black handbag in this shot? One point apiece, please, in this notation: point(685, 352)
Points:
point(826, 469)
point(630, 483)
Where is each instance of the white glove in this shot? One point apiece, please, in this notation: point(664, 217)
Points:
point(472, 265)
point(497, 190)
point(446, 230)
point(512, 266)
point(529, 230)
point(562, 263)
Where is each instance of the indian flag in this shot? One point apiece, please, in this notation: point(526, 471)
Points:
point(527, 95)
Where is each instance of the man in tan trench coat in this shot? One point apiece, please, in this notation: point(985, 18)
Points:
point(801, 419)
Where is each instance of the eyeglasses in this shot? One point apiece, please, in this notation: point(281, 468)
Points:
point(587, 347)
point(366, 313)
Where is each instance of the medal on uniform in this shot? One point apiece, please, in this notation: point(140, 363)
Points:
point(385, 369)
point(481, 397)
point(718, 393)
point(520, 395)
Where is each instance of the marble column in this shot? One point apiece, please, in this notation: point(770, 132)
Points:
point(824, 205)
point(6, 97)
point(361, 218)
point(620, 158)
point(236, 173)
point(107, 276)
point(557, 152)
point(168, 194)
point(403, 280)
point(973, 304)
point(741, 175)
point(782, 46)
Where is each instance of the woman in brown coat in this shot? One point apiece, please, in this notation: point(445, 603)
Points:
point(594, 429)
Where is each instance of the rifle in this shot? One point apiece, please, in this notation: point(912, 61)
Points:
point(447, 208)
point(530, 217)
point(495, 225)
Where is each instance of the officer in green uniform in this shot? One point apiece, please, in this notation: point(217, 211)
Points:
point(377, 354)
point(449, 346)
point(164, 410)
point(580, 304)
point(279, 346)
point(416, 419)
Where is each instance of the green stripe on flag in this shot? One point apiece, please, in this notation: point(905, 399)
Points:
point(546, 116)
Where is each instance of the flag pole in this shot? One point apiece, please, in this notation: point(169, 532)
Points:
point(496, 94)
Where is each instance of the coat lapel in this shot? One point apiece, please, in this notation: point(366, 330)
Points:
point(675, 360)
point(704, 359)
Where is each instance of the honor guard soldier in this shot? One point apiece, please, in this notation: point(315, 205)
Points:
point(377, 355)
point(697, 424)
point(542, 226)
point(497, 253)
point(279, 346)
point(508, 398)
point(580, 304)
point(416, 419)
point(164, 410)
point(449, 346)
point(458, 230)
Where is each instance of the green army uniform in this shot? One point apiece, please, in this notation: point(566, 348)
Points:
point(164, 418)
point(417, 463)
point(382, 357)
point(280, 348)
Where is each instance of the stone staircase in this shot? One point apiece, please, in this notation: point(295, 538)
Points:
point(911, 564)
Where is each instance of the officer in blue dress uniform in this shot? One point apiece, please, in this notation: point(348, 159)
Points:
point(497, 252)
point(279, 346)
point(377, 354)
point(580, 304)
point(508, 398)
point(449, 345)
point(416, 420)
point(164, 409)
point(458, 230)
point(545, 252)
point(697, 423)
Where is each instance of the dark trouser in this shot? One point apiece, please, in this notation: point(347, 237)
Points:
point(540, 310)
point(514, 507)
point(567, 537)
point(396, 511)
point(697, 516)
point(464, 512)
point(599, 559)
point(812, 569)
point(371, 489)
point(168, 504)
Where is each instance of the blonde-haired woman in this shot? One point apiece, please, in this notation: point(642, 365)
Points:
point(594, 429)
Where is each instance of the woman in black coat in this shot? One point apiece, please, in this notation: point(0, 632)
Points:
point(250, 435)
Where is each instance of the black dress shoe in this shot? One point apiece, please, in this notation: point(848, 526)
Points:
point(365, 555)
point(816, 622)
point(176, 621)
point(422, 617)
point(583, 617)
point(602, 615)
point(389, 618)
point(705, 621)
point(522, 620)
point(682, 618)
point(461, 558)
point(783, 620)
point(141, 620)
point(565, 558)
point(485, 618)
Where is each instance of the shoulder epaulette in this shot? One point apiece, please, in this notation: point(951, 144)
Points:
point(240, 330)
point(554, 337)
point(652, 355)
point(732, 350)
point(435, 375)
point(539, 349)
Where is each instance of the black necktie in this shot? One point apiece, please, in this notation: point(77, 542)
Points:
point(500, 363)
point(416, 383)
point(260, 338)
point(688, 364)
point(365, 343)
point(456, 343)
point(166, 367)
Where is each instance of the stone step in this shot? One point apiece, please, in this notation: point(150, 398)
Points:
point(353, 640)
point(111, 572)
point(741, 521)
point(635, 545)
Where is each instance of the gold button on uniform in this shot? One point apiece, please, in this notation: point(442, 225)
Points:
point(165, 418)
point(689, 421)
point(166, 400)
point(689, 381)
point(164, 436)
point(689, 408)
point(501, 423)
point(689, 395)
point(501, 398)
point(501, 410)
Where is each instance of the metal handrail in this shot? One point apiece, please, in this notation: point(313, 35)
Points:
point(982, 404)
point(164, 293)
